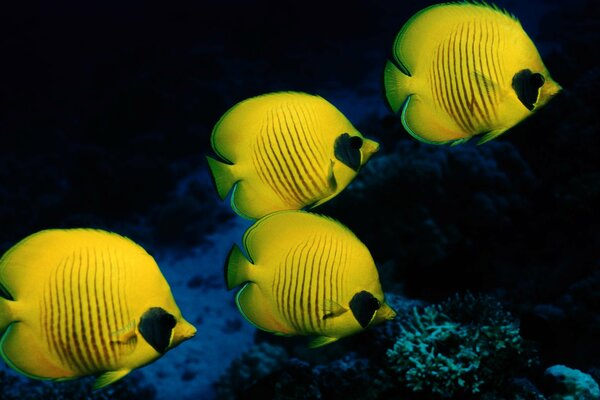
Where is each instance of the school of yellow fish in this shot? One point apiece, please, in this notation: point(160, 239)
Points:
point(79, 302)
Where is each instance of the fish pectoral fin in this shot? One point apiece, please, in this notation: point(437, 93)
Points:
point(125, 339)
point(109, 377)
point(320, 341)
point(491, 135)
point(331, 181)
point(332, 309)
point(331, 187)
point(126, 334)
point(487, 83)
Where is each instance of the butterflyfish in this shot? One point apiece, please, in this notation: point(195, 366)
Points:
point(285, 151)
point(306, 274)
point(463, 69)
point(79, 302)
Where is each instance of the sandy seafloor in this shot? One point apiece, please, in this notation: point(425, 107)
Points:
point(189, 370)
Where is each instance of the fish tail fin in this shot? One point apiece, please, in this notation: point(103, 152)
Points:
point(6, 315)
point(396, 86)
point(223, 176)
point(237, 268)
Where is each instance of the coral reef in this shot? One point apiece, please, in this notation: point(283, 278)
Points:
point(459, 348)
point(14, 387)
point(566, 383)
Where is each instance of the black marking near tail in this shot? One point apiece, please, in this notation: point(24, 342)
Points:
point(364, 306)
point(527, 84)
point(347, 150)
point(156, 326)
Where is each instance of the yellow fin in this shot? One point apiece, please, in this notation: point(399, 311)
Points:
point(125, 339)
point(222, 175)
point(110, 377)
point(332, 187)
point(321, 341)
point(491, 135)
point(395, 85)
point(422, 123)
point(332, 309)
point(256, 309)
point(236, 268)
point(6, 317)
point(32, 363)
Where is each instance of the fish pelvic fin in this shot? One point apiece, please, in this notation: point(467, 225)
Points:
point(320, 341)
point(491, 135)
point(109, 377)
point(237, 268)
point(223, 177)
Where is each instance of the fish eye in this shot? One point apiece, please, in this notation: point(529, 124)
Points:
point(356, 142)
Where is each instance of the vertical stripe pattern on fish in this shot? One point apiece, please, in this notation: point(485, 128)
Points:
point(463, 69)
point(306, 274)
point(285, 151)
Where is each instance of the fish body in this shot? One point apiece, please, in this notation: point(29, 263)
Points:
point(81, 302)
point(306, 274)
point(285, 151)
point(463, 69)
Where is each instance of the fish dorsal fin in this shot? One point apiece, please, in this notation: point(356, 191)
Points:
point(110, 377)
point(332, 309)
point(156, 327)
point(364, 306)
point(321, 341)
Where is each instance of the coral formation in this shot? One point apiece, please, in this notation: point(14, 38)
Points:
point(461, 347)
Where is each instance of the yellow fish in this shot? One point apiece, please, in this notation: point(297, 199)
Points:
point(285, 151)
point(463, 69)
point(306, 274)
point(80, 302)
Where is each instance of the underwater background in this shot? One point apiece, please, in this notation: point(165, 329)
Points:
point(106, 111)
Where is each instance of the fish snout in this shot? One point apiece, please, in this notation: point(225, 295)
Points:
point(368, 148)
point(550, 89)
point(388, 312)
point(385, 313)
point(183, 332)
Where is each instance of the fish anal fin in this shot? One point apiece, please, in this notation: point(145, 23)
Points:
point(252, 204)
point(109, 377)
point(33, 363)
point(320, 341)
point(256, 309)
point(424, 124)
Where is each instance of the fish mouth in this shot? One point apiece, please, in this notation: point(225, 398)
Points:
point(369, 148)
